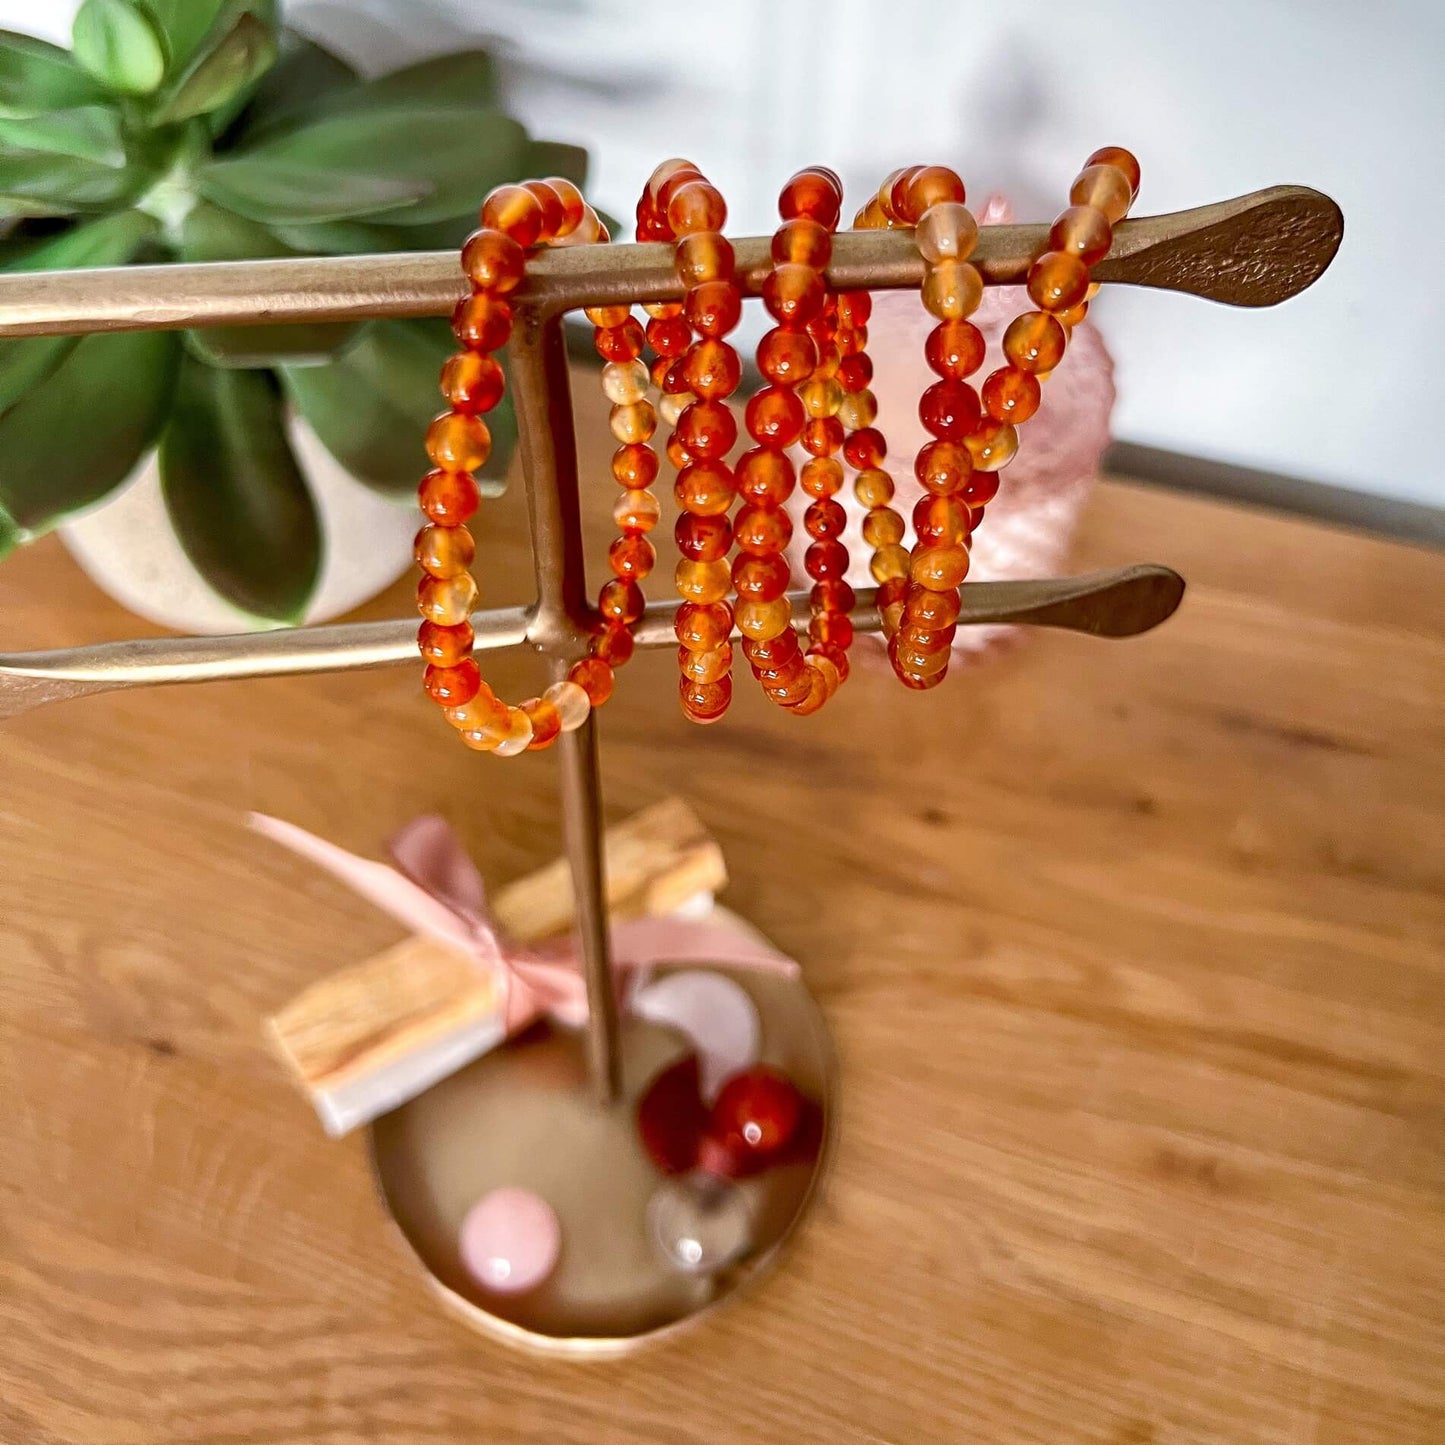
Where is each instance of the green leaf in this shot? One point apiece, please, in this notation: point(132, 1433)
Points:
point(120, 45)
point(370, 408)
point(37, 77)
point(33, 183)
point(274, 190)
point(71, 440)
point(91, 132)
point(235, 493)
point(185, 23)
point(219, 76)
point(211, 234)
point(304, 73)
point(112, 241)
point(448, 157)
point(106, 241)
point(350, 238)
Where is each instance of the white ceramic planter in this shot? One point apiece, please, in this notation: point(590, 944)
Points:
point(126, 546)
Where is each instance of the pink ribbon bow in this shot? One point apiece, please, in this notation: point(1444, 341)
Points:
point(435, 890)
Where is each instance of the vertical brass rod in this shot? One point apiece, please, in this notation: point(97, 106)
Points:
point(582, 836)
point(542, 396)
point(541, 392)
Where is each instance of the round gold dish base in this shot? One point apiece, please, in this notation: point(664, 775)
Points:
point(524, 1116)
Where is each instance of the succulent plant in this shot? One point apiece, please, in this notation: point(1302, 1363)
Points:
point(201, 130)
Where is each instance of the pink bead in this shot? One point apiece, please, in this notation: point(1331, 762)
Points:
point(510, 1241)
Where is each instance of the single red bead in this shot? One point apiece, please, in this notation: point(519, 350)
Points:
point(948, 409)
point(451, 686)
point(714, 308)
point(620, 343)
point(756, 1113)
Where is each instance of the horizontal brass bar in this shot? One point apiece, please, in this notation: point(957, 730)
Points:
point(1118, 603)
point(1254, 250)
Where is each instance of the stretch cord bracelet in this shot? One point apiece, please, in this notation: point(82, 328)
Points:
point(918, 590)
point(680, 205)
point(799, 361)
point(514, 218)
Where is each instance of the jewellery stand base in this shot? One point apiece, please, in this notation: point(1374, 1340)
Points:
point(523, 1115)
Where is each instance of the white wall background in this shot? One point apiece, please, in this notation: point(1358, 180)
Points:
point(1217, 98)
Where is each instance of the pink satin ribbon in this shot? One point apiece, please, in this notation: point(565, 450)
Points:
point(436, 890)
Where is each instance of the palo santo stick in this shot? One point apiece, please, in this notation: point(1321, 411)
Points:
point(370, 1037)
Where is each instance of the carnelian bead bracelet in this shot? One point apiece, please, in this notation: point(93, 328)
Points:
point(699, 369)
point(513, 219)
point(817, 372)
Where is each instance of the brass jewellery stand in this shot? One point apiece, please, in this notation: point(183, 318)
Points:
point(537, 1112)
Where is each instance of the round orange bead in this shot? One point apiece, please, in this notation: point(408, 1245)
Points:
point(787, 356)
point(948, 409)
point(954, 349)
point(704, 256)
point(1057, 281)
point(873, 487)
point(493, 262)
point(458, 443)
point(620, 601)
point(472, 382)
point(695, 206)
point(712, 370)
point(1120, 159)
point(821, 477)
point(764, 475)
point(952, 289)
point(1034, 341)
point(445, 646)
point(760, 577)
point(707, 429)
point(614, 644)
point(631, 558)
point(1106, 187)
point(706, 666)
point(443, 551)
point(454, 685)
point(793, 294)
point(1010, 394)
point(546, 723)
point(448, 498)
point(634, 465)
point(930, 186)
point(1082, 232)
point(623, 342)
point(594, 677)
point(515, 212)
point(802, 241)
point(700, 627)
point(775, 416)
point(944, 519)
point(814, 193)
point(823, 435)
point(703, 539)
point(993, 445)
point(762, 529)
point(706, 702)
point(939, 568)
point(943, 467)
point(574, 207)
point(482, 321)
point(551, 204)
point(713, 307)
point(864, 449)
point(705, 487)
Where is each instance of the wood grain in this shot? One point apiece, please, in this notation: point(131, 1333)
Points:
point(1133, 952)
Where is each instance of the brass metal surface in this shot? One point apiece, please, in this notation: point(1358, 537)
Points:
point(521, 1116)
point(1120, 602)
point(1253, 250)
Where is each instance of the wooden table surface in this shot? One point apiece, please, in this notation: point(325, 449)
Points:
point(1133, 952)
